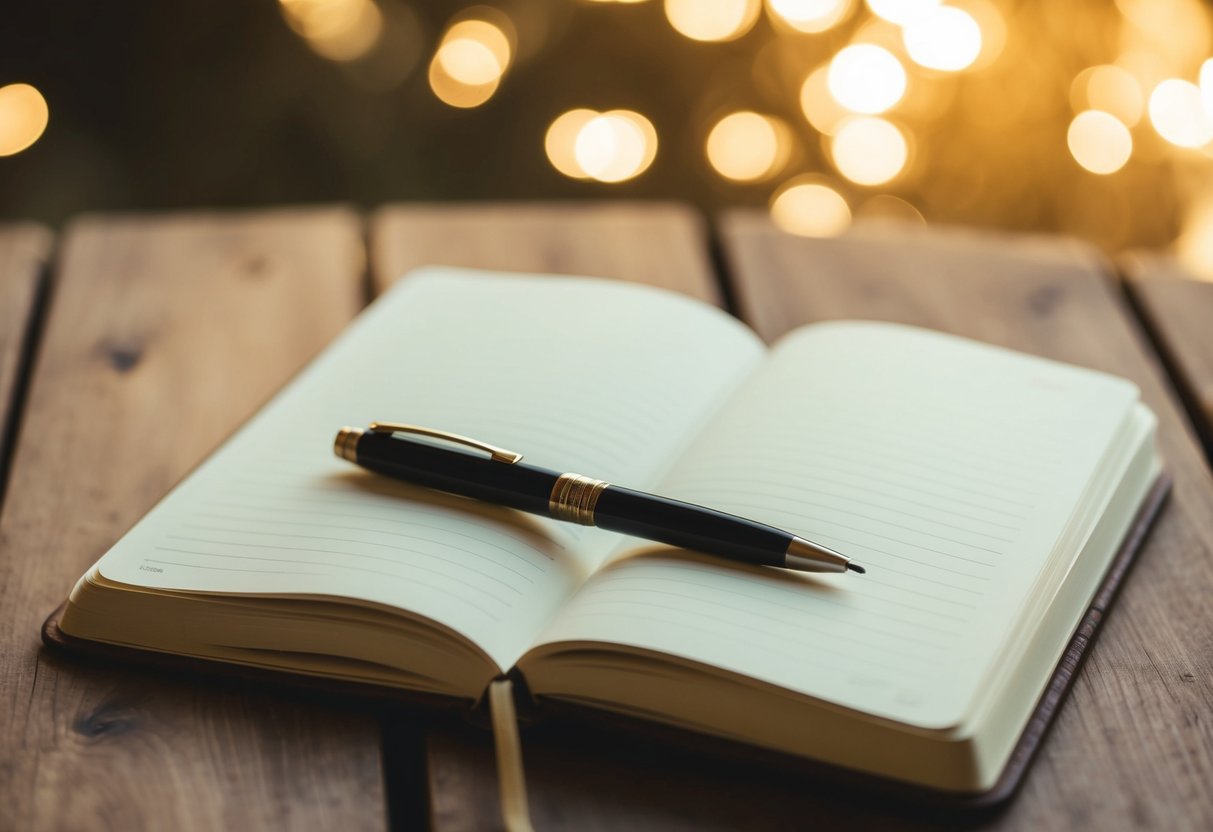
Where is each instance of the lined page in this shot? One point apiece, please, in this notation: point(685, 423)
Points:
point(602, 378)
point(948, 468)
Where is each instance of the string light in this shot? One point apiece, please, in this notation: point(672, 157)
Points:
point(1178, 114)
point(810, 208)
point(866, 79)
point(818, 105)
point(1099, 142)
point(747, 146)
point(608, 147)
point(340, 30)
point(23, 117)
point(616, 146)
point(1206, 87)
point(712, 20)
point(1109, 88)
point(469, 62)
point(1195, 243)
point(902, 12)
point(810, 16)
point(869, 150)
point(560, 143)
point(947, 39)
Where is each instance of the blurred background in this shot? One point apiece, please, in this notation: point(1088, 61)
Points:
point(1088, 118)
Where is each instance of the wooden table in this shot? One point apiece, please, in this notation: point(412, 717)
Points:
point(131, 345)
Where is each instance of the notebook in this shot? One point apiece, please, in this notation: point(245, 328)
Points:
point(988, 493)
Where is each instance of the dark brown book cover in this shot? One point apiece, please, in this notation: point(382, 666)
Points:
point(848, 784)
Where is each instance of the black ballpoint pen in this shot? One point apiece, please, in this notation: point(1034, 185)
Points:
point(501, 478)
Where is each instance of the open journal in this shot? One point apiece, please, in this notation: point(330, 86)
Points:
point(985, 491)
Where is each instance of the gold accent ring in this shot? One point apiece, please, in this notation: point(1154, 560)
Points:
point(574, 498)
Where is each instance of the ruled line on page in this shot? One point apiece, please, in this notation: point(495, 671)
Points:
point(393, 516)
point(453, 561)
point(408, 524)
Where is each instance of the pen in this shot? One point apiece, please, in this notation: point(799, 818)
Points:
point(503, 479)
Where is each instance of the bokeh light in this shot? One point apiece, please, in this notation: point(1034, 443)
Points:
point(869, 150)
point(947, 39)
point(560, 143)
point(1195, 243)
point(340, 30)
point(608, 147)
point(1178, 114)
point(902, 12)
point(474, 52)
point(748, 146)
point(1206, 87)
point(866, 78)
point(810, 208)
point(23, 117)
point(1109, 88)
point(818, 105)
point(1099, 142)
point(712, 20)
point(810, 16)
point(469, 62)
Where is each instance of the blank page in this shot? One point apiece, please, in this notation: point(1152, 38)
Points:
point(948, 468)
point(601, 378)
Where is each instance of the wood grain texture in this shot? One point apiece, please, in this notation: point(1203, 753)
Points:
point(163, 335)
point(1134, 745)
point(659, 244)
point(655, 243)
point(24, 248)
point(1178, 312)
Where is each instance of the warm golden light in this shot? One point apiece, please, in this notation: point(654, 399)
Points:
point(1109, 88)
point(991, 26)
point(340, 30)
point(469, 63)
point(810, 16)
point(902, 12)
point(806, 207)
point(712, 20)
point(1195, 243)
point(819, 107)
point(23, 117)
point(1178, 113)
point(1099, 142)
point(615, 146)
point(560, 143)
point(1206, 87)
point(456, 93)
point(474, 52)
point(869, 151)
point(947, 39)
point(747, 146)
point(866, 78)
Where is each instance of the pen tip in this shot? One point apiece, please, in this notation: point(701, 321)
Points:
point(854, 567)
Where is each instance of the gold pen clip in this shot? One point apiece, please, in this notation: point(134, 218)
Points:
point(497, 454)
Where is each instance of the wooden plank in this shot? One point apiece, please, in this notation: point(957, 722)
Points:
point(1134, 745)
point(655, 243)
point(660, 244)
point(23, 251)
point(1178, 310)
point(163, 336)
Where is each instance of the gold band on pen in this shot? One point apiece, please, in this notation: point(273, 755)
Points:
point(574, 498)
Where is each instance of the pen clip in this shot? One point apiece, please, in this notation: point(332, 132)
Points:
point(497, 454)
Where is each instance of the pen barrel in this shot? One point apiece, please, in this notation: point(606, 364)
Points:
point(520, 486)
point(690, 526)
